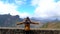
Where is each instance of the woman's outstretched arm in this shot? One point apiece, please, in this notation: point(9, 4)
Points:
point(19, 23)
point(34, 23)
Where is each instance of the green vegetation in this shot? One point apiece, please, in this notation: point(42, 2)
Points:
point(45, 25)
point(52, 25)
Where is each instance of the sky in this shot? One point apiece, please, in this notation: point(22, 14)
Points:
point(30, 8)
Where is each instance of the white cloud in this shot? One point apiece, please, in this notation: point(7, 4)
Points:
point(25, 14)
point(11, 8)
point(47, 8)
point(20, 2)
point(7, 8)
point(34, 2)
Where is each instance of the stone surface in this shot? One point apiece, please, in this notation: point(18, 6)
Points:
point(21, 31)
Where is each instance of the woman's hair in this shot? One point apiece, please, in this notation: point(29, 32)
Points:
point(27, 20)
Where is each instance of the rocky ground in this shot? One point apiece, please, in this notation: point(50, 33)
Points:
point(20, 31)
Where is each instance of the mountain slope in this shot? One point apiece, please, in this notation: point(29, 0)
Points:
point(8, 20)
point(52, 25)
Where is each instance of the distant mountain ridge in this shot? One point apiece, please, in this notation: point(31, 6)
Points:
point(8, 20)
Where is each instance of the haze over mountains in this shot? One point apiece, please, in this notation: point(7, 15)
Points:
point(8, 20)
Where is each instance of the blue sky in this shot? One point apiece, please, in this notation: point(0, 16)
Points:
point(31, 8)
point(23, 7)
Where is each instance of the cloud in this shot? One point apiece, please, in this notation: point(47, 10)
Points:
point(25, 14)
point(20, 2)
point(46, 8)
point(6, 8)
point(34, 2)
